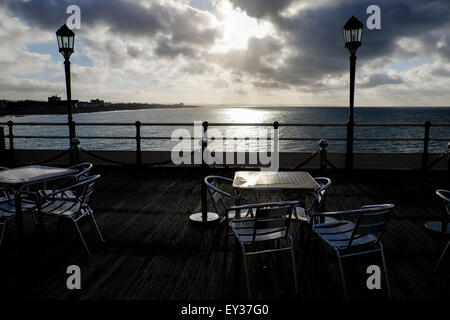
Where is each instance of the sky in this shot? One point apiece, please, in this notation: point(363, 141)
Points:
point(243, 52)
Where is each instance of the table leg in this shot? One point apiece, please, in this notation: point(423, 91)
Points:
point(237, 203)
point(19, 218)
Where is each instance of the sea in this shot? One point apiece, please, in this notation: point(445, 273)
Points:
point(244, 114)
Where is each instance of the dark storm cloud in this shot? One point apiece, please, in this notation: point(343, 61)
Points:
point(261, 8)
point(122, 16)
point(441, 73)
point(197, 67)
point(270, 85)
point(379, 79)
point(165, 48)
point(306, 48)
point(183, 30)
point(133, 51)
point(28, 85)
point(315, 36)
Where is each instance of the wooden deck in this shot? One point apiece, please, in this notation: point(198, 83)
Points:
point(154, 252)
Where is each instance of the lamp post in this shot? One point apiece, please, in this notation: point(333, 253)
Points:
point(66, 41)
point(352, 38)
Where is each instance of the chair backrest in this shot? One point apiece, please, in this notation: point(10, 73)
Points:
point(324, 184)
point(445, 196)
point(4, 193)
point(83, 169)
point(314, 201)
point(82, 192)
point(370, 221)
point(272, 220)
point(222, 199)
point(85, 188)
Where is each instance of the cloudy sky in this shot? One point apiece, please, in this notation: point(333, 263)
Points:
point(249, 52)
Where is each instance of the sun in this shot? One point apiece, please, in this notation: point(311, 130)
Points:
point(238, 27)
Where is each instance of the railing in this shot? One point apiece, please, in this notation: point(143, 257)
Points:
point(10, 136)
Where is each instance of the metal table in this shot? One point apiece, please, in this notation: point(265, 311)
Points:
point(274, 181)
point(18, 178)
point(264, 181)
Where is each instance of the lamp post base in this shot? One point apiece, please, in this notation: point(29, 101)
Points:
point(198, 217)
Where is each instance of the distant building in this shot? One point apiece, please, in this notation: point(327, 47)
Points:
point(97, 103)
point(83, 104)
point(3, 104)
point(54, 99)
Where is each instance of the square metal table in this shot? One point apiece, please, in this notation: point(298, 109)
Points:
point(16, 179)
point(266, 181)
point(274, 181)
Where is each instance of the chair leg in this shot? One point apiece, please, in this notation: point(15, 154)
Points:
point(96, 227)
point(294, 268)
point(35, 220)
point(385, 272)
point(82, 238)
point(444, 285)
point(305, 250)
point(2, 234)
point(341, 270)
point(308, 235)
point(247, 276)
point(442, 256)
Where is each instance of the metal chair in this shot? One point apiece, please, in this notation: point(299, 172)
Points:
point(83, 169)
point(445, 196)
point(306, 209)
point(30, 202)
point(355, 232)
point(83, 172)
point(268, 225)
point(3, 193)
point(223, 199)
point(72, 203)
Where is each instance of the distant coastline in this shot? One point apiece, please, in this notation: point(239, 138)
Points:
point(18, 110)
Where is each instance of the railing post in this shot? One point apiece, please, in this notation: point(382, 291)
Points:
point(76, 148)
point(323, 143)
point(448, 159)
point(204, 216)
point(72, 136)
point(349, 151)
point(138, 143)
point(2, 140)
point(11, 143)
point(426, 140)
point(204, 195)
point(2, 145)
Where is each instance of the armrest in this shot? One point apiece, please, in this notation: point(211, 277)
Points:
point(443, 194)
point(62, 192)
point(262, 205)
point(364, 209)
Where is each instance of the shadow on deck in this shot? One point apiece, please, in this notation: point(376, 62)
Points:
point(153, 252)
